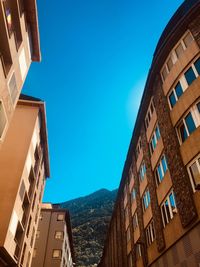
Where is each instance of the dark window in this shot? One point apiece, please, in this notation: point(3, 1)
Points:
point(197, 65)
point(198, 106)
point(190, 123)
point(172, 99)
point(179, 90)
point(183, 132)
point(190, 76)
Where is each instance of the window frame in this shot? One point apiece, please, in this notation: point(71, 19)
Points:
point(156, 173)
point(154, 137)
point(146, 199)
point(196, 160)
point(60, 253)
point(150, 233)
point(168, 216)
point(5, 118)
point(196, 119)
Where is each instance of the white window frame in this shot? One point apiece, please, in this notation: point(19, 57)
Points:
point(138, 148)
point(195, 160)
point(156, 139)
point(142, 171)
point(149, 111)
point(196, 118)
point(162, 170)
point(150, 233)
point(171, 210)
point(146, 199)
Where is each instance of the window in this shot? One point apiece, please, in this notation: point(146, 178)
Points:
point(23, 255)
point(161, 170)
point(169, 63)
point(198, 107)
point(186, 127)
point(133, 194)
point(150, 233)
point(135, 221)
point(146, 199)
point(197, 65)
point(176, 53)
point(29, 225)
point(142, 171)
point(138, 251)
point(130, 260)
point(128, 235)
point(168, 208)
point(60, 217)
point(187, 39)
point(175, 94)
point(190, 75)
point(59, 235)
point(3, 119)
point(57, 253)
point(12, 85)
point(138, 148)
point(194, 173)
point(149, 114)
point(179, 50)
point(126, 212)
point(154, 139)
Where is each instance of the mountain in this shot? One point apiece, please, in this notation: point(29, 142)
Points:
point(90, 216)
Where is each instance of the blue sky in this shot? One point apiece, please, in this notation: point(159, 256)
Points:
point(95, 58)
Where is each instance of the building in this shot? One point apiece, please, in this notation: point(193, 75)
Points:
point(156, 218)
point(18, 47)
point(54, 245)
point(24, 168)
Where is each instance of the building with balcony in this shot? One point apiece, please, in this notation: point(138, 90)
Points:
point(156, 218)
point(19, 46)
point(54, 245)
point(24, 165)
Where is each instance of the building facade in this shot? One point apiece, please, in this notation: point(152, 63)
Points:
point(19, 46)
point(53, 246)
point(156, 218)
point(24, 168)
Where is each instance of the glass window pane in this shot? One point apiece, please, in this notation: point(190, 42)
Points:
point(190, 123)
point(160, 172)
point(172, 99)
point(188, 39)
point(190, 76)
point(195, 173)
point(172, 203)
point(183, 133)
point(197, 65)
point(179, 50)
point(167, 209)
point(157, 133)
point(164, 164)
point(179, 90)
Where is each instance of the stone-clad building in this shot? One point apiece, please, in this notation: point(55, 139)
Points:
point(156, 218)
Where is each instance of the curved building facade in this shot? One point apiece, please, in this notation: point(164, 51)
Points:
point(156, 218)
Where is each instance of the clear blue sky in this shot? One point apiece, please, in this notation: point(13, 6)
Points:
point(95, 59)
